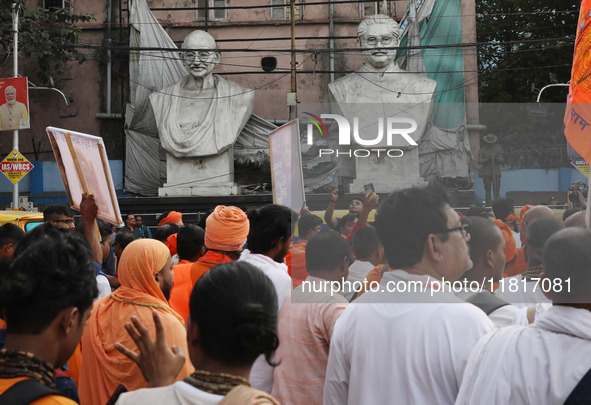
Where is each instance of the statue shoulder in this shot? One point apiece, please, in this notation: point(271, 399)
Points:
point(227, 87)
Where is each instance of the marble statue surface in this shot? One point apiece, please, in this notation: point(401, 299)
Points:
point(380, 89)
point(199, 119)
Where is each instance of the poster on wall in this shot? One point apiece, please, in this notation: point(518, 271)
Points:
point(286, 166)
point(84, 167)
point(14, 104)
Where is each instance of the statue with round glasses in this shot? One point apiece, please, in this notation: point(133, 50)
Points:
point(377, 91)
point(199, 119)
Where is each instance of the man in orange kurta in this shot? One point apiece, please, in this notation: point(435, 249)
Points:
point(190, 249)
point(308, 226)
point(226, 229)
point(146, 277)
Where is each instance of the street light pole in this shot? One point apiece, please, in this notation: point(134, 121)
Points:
point(15, 8)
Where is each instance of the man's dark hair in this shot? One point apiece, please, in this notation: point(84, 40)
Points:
point(571, 211)
point(57, 209)
point(190, 242)
point(308, 222)
point(325, 251)
point(365, 242)
point(269, 225)
point(235, 306)
point(538, 232)
point(479, 211)
point(123, 237)
point(405, 220)
point(347, 218)
point(52, 269)
point(484, 236)
point(567, 259)
point(10, 233)
point(105, 229)
point(127, 216)
point(503, 207)
point(165, 230)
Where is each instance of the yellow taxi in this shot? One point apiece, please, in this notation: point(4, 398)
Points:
point(26, 220)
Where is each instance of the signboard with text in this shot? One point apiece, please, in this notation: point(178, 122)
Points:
point(15, 166)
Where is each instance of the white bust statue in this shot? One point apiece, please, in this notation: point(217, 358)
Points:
point(380, 89)
point(200, 116)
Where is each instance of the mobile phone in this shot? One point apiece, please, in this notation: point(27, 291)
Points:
point(341, 190)
point(369, 189)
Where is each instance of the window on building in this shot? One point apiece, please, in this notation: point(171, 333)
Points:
point(368, 8)
point(213, 9)
point(284, 13)
point(48, 4)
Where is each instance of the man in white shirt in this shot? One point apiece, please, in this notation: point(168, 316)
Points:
point(268, 242)
point(487, 252)
point(545, 361)
point(408, 341)
point(369, 253)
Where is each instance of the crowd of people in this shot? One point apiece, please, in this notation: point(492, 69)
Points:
point(425, 305)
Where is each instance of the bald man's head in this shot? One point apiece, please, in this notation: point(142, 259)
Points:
point(539, 211)
point(576, 220)
point(567, 260)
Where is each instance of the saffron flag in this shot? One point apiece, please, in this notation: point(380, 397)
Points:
point(577, 118)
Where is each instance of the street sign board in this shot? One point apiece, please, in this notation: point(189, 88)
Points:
point(581, 165)
point(15, 166)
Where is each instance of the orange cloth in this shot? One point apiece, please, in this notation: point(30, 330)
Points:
point(206, 262)
point(226, 228)
point(172, 217)
point(171, 243)
point(298, 263)
point(2, 324)
point(181, 289)
point(523, 211)
point(517, 267)
point(374, 276)
point(6, 383)
point(74, 365)
point(103, 367)
point(510, 246)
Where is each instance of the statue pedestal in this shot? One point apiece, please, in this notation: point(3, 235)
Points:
point(200, 176)
point(387, 174)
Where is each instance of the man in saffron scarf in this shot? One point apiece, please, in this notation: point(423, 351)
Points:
point(146, 279)
point(226, 229)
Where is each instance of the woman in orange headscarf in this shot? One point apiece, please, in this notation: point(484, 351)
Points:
point(146, 278)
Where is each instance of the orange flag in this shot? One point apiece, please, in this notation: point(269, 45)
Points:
point(577, 118)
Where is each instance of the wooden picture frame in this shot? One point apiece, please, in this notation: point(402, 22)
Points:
point(84, 168)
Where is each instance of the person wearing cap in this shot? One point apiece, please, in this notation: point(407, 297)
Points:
point(171, 217)
point(490, 159)
point(226, 229)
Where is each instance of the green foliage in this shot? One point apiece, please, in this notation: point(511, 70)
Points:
point(47, 35)
point(515, 69)
point(522, 43)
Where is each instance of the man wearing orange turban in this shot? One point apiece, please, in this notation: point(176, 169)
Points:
point(226, 229)
point(146, 279)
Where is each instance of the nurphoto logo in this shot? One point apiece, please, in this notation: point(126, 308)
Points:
point(387, 127)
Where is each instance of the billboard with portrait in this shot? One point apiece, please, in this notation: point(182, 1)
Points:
point(14, 104)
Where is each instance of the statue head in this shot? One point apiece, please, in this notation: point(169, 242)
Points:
point(200, 63)
point(10, 94)
point(378, 32)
